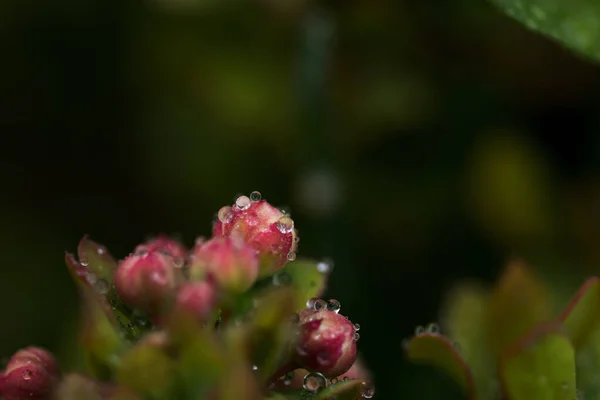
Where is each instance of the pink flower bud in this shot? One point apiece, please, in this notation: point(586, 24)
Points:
point(263, 227)
point(166, 245)
point(357, 371)
point(326, 342)
point(197, 299)
point(229, 262)
point(146, 280)
point(31, 373)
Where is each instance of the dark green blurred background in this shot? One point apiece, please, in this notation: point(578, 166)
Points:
point(416, 143)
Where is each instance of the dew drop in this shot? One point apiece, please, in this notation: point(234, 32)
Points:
point(255, 367)
point(225, 215)
point(356, 336)
point(419, 330)
point(320, 305)
point(291, 256)
point(368, 390)
point(285, 224)
point(255, 196)
point(346, 379)
point(334, 305)
point(356, 327)
point(287, 378)
point(314, 381)
point(101, 250)
point(102, 286)
point(325, 267)
point(334, 380)
point(311, 302)
point(27, 374)
point(83, 262)
point(178, 262)
point(433, 328)
point(243, 202)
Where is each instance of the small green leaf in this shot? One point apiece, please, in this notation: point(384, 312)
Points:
point(306, 279)
point(148, 371)
point(540, 366)
point(574, 23)
point(439, 351)
point(96, 259)
point(582, 315)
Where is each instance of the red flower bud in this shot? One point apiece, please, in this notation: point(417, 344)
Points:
point(326, 342)
point(357, 371)
point(197, 299)
point(31, 373)
point(229, 262)
point(164, 244)
point(263, 227)
point(146, 280)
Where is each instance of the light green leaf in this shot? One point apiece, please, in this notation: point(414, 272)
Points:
point(306, 278)
point(540, 366)
point(582, 315)
point(574, 23)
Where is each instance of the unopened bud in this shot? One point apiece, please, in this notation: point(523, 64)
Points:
point(166, 245)
point(230, 263)
point(197, 299)
point(147, 280)
point(326, 343)
point(262, 226)
point(31, 373)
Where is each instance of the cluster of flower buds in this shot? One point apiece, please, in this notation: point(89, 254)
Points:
point(162, 281)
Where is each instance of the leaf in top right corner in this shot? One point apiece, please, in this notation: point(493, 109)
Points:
point(573, 23)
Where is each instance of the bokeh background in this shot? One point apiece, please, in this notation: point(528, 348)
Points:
point(416, 143)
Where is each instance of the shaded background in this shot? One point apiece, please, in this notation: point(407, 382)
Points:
point(416, 143)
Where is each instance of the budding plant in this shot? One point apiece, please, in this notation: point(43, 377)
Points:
point(511, 343)
point(236, 317)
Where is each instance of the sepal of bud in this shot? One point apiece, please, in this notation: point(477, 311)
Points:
point(262, 226)
point(326, 343)
point(31, 373)
point(147, 280)
point(230, 263)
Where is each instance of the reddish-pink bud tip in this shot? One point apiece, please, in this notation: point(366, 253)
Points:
point(166, 245)
point(262, 226)
point(31, 373)
point(229, 262)
point(197, 299)
point(145, 280)
point(327, 342)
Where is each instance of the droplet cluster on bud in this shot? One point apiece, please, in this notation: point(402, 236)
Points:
point(31, 373)
point(264, 227)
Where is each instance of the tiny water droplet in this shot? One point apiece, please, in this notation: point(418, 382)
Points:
point(325, 267)
point(310, 303)
point(83, 262)
point(356, 327)
point(287, 378)
point(285, 224)
point(334, 305)
point(224, 215)
point(419, 330)
point(178, 262)
point(433, 328)
point(27, 374)
point(368, 390)
point(320, 305)
point(255, 196)
point(291, 256)
point(101, 250)
point(255, 368)
point(102, 286)
point(346, 379)
point(334, 380)
point(243, 202)
point(356, 336)
point(314, 381)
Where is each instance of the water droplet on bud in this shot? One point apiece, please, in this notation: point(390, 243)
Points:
point(287, 378)
point(255, 368)
point(356, 327)
point(285, 224)
point(311, 303)
point(243, 202)
point(419, 330)
point(225, 214)
point(325, 267)
point(320, 305)
point(356, 336)
point(334, 380)
point(314, 381)
point(433, 328)
point(334, 305)
point(291, 256)
point(255, 196)
point(27, 374)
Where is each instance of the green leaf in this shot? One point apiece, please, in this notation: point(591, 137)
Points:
point(439, 351)
point(588, 365)
point(540, 366)
point(574, 23)
point(582, 315)
point(343, 390)
point(148, 371)
point(305, 278)
point(96, 259)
